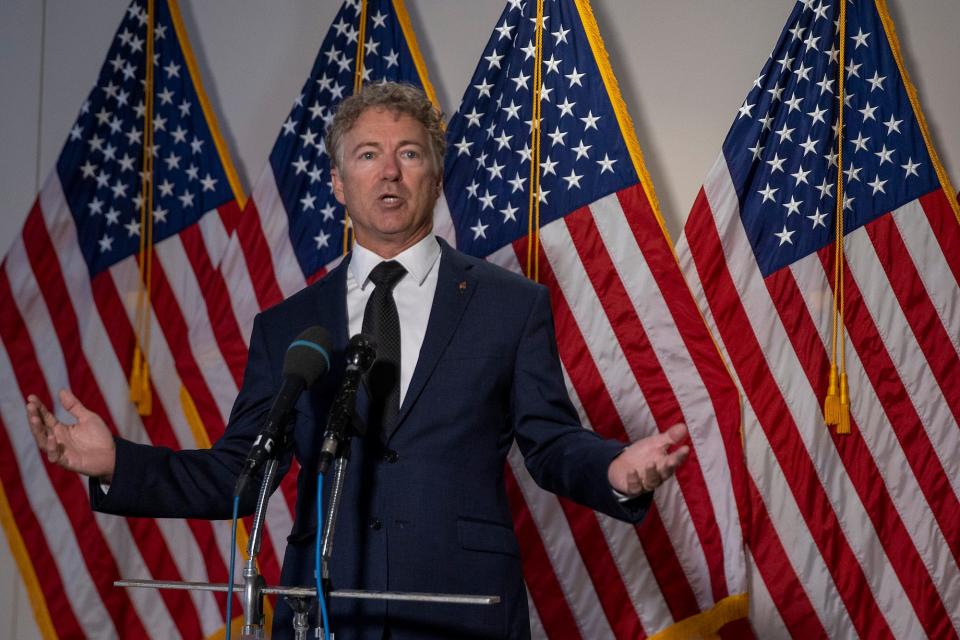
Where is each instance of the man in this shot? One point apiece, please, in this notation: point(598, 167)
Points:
point(424, 507)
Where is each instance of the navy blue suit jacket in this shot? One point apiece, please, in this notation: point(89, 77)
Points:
point(424, 508)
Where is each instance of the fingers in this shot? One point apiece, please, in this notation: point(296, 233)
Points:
point(72, 404)
point(676, 433)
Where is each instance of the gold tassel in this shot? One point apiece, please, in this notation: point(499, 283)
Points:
point(831, 406)
point(843, 425)
point(136, 377)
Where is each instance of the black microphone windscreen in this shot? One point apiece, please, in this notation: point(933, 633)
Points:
point(308, 356)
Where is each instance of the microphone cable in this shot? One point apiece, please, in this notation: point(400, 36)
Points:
point(321, 600)
point(233, 562)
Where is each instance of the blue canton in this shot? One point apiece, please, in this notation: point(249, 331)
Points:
point(299, 158)
point(583, 154)
point(100, 166)
point(781, 149)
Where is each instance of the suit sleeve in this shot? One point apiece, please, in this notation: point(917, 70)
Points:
point(559, 453)
point(159, 482)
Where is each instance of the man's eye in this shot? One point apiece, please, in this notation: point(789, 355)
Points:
point(366, 155)
point(411, 153)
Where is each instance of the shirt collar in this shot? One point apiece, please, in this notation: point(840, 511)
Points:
point(418, 260)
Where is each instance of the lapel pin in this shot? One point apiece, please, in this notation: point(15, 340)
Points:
point(462, 286)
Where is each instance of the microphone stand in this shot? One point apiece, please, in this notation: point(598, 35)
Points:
point(253, 582)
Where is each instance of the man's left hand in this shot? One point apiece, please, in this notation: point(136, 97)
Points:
point(646, 464)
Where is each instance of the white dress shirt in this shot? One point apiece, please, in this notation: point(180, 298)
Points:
point(413, 295)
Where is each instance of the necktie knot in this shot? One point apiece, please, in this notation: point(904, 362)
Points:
point(387, 273)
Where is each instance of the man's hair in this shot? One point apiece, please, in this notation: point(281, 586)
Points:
point(397, 97)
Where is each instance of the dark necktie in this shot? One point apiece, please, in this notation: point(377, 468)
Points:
point(382, 323)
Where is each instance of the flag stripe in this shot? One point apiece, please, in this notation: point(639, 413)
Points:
point(41, 255)
point(257, 257)
point(944, 225)
point(775, 415)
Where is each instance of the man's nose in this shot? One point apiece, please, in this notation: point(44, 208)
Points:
point(390, 167)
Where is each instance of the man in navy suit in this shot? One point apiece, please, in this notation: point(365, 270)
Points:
point(424, 506)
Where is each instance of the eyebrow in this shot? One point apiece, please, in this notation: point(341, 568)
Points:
point(378, 145)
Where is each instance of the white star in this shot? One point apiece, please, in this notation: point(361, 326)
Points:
point(543, 195)
point(472, 189)
point(553, 64)
point(316, 111)
point(581, 150)
point(768, 192)
point(463, 147)
point(797, 32)
point(103, 179)
point(800, 175)
point(179, 134)
point(745, 110)
point(793, 103)
point(893, 125)
point(473, 117)
point(876, 82)
point(606, 164)
point(133, 136)
point(487, 200)
point(524, 153)
point(96, 207)
point(509, 213)
point(126, 163)
point(166, 96)
point(308, 201)
point(548, 166)
point(785, 133)
point(817, 219)
point(322, 239)
point(517, 183)
point(757, 150)
point(133, 228)
point(166, 188)
point(479, 230)
point(209, 183)
point(820, 11)
point(159, 123)
point(853, 173)
point(300, 165)
point(775, 93)
point(557, 137)
point(853, 69)
point(545, 93)
point(112, 216)
point(173, 161)
point(308, 137)
point(172, 69)
point(860, 39)
point(574, 77)
point(826, 85)
point(811, 42)
point(109, 152)
point(503, 140)
point(767, 122)
point(831, 157)
point(785, 62)
point(106, 243)
point(370, 47)
point(379, 19)
point(573, 180)
point(495, 170)
point(328, 211)
point(192, 172)
point(877, 185)
point(884, 154)
point(493, 60)
point(289, 126)
point(392, 60)
point(186, 199)
point(776, 163)
point(184, 108)
point(566, 108)
point(484, 88)
point(196, 146)
point(759, 81)
point(860, 143)
point(512, 111)
point(911, 168)
point(785, 236)
point(504, 30)
point(521, 81)
point(89, 169)
point(847, 201)
point(160, 214)
point(826, 188)
point(817, 115)
point(809, 146)
point(529, 51)
point(119, 190)
point(793, 206)
point(590, 122)
point(76, 132)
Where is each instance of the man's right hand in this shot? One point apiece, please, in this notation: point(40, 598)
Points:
point(86, 446)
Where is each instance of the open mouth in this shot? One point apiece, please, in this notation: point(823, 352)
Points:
point(390, 199)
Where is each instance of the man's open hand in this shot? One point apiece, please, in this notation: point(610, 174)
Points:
point(86, 446)
point(646, 464)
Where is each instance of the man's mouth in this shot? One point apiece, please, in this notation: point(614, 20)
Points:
point(390, 199)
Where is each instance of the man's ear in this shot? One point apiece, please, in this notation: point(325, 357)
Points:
point(337, 182)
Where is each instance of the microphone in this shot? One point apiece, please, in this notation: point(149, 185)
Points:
point(306, 360)
point(360, 354)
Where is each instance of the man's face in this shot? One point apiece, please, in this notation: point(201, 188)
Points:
point(387, 181)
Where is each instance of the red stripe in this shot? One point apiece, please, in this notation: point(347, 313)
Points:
point(945, 227)
point(778, 424)
point(213, 287)
point(177, 333)
point(257, 257)
point(696, 338)
point(544, 588)
point(650, 377)
point(918, 308)
point(19, 348)
point(42, 256)
point(230, 215)
point(863, 473)
point(601, 413)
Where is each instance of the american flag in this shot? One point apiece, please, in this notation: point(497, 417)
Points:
point(634, 348)
point(69, 289)
point(850, 535)
point(292, 229)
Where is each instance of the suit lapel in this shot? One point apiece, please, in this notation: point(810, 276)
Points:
point(455, 287)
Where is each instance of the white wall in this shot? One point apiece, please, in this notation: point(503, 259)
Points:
point(684, 67)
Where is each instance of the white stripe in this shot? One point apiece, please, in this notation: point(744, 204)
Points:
point(106, 369)
point(586, 309)
point(243, 298)
point(628, 554)
point(805, 411)
point(648, 298)
point(934, 271)
point(537, 632)
point(443, 221)
point(273, 222)
point(215, 236)
point(558, 542)
point(764, 616)
point(192, 307)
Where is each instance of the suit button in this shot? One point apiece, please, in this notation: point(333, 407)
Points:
point(390, 456)
point(375, 524)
